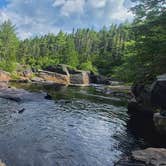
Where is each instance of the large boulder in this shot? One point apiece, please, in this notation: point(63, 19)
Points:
point(150, 102)
point(69, 74)
point(52, 77)
point(81, 77)
point(158, 92)
point(4, 76)
point(151, 95)
point(151, 156)
point(61, 69)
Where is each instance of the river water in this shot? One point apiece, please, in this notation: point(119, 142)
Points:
point(79, 127)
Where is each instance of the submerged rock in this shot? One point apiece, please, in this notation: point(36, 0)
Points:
point(21, 110)
point(48, 97)
point(151, 156)
point(20, 95)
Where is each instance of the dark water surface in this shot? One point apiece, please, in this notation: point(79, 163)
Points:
point(80, 127)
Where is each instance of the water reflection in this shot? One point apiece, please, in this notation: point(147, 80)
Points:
point(69, 131)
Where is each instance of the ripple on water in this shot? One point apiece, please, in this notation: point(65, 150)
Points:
point(71, 133)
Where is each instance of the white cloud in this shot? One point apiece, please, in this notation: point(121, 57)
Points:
point(3, 16)
point(72, 6)
point(34, 17)
point(97, 3)
point(58, 3)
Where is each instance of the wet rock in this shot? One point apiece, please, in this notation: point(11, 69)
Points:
point(151, 156)
point(48, 97)
point(21, 110)
point(4, 76)
point(20, 95)
point(160, 123)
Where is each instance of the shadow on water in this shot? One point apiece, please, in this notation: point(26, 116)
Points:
point(80, 127)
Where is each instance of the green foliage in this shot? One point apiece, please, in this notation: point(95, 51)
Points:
point(129, 52)
point(150, 37)
point(83, 47)
point(8, 46)
point(88, 66)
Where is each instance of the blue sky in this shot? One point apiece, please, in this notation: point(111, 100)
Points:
point(38, 17)
point(3, 3)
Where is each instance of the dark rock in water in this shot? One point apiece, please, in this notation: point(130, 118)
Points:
point(151, 156)
point(158, 92)
point(21, 111)
point(48, 97)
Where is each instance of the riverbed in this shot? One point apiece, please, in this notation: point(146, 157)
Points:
point(80, 126)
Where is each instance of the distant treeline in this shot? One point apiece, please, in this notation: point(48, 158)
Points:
point(129, 51)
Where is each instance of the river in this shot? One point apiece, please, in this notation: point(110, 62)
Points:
point(79, 127)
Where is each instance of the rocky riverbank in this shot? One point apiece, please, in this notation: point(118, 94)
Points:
point(150, 100)
point(147, 111)
point(60, 74)
point(146, 107)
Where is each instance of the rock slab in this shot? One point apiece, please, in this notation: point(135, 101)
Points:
point(151, 156)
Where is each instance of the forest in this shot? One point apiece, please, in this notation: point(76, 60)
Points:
point(128, 51)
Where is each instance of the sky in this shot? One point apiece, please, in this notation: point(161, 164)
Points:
point(39, 17)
